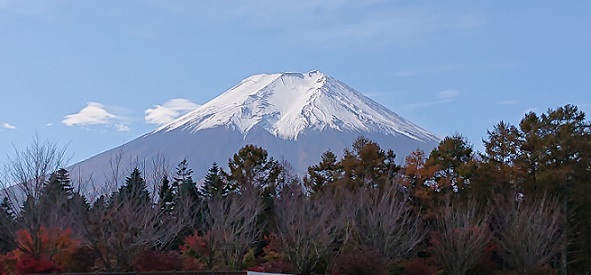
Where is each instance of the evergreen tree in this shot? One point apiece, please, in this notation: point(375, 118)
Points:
point(323, 174)
point(57, 191)
point(166, 195)
point(135, 189)
point(556, 152)
point(498, 170)
point(548, 153)
point(183, 182)
point(60, 206)
point(252, 167)
point(6, 209)
point(367, 165)
point(253, 171)
point(454, 162)
point(214, 184)
point(7, 226)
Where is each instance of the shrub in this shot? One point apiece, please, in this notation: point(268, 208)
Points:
point(26, 264)
point(195, 253)
point(273, 260)
point(50, 251)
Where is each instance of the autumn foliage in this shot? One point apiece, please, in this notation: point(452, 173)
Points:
point(50, 250)
point(195, 252)
point(523, 206)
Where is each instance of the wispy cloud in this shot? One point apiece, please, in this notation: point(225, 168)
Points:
point(7, 125)
point(170, 110)
point(390, 25)
point(338, 23)
point(445, 96)
point(449, 94)
point(96, 114)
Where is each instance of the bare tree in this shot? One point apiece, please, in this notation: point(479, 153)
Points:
point(121, 228)
point(529, 232)
point(385, 222)
point(307, 227)
point(231, 226)
point(25, 175)
point(26, 172)
point(461, 236)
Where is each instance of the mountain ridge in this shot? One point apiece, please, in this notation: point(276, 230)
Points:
point(295, 117)
point(307, 101)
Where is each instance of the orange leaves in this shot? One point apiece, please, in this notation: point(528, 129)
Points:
point(55, 244)
point(195, 252)
point(47, 250)
point(194, 245)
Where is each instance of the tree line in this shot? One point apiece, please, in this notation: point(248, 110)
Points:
point(523, 206)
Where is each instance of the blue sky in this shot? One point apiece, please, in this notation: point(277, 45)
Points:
point(92, 75)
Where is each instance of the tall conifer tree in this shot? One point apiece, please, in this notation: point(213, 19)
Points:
point(214, 184)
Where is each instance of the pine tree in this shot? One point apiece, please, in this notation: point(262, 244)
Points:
point(6, 209)
point(7, 225)
point(183, 182)
point(556, 153)
point(57, 190)
point(323, 174)
point(60, 205)
point(252, 167)
point(135, 189)
point(214, 185)
point(454, 159)
point(498, 170)
point(253, 171)
point(166, 195)
point(367, 165)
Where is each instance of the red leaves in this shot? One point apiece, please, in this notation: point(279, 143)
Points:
point(49, 250)
point(26, 264)
point(195, 252)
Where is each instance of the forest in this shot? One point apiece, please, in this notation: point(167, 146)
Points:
point(523, 206)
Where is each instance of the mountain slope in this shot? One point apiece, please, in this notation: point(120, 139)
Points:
point(293, 116)
point(288, 104)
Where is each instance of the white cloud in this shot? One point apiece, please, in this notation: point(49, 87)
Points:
point(449, 94)
point(7, 125)
point(95, 114)
point(170, 110)
point(122, 127)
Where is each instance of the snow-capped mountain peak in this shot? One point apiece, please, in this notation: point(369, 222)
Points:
point(288, 104)
point(295, 117)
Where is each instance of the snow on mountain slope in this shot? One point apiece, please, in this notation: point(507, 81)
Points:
point(295, 117)
point(288, 104)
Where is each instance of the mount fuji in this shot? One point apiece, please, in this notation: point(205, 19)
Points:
point(293, 116)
